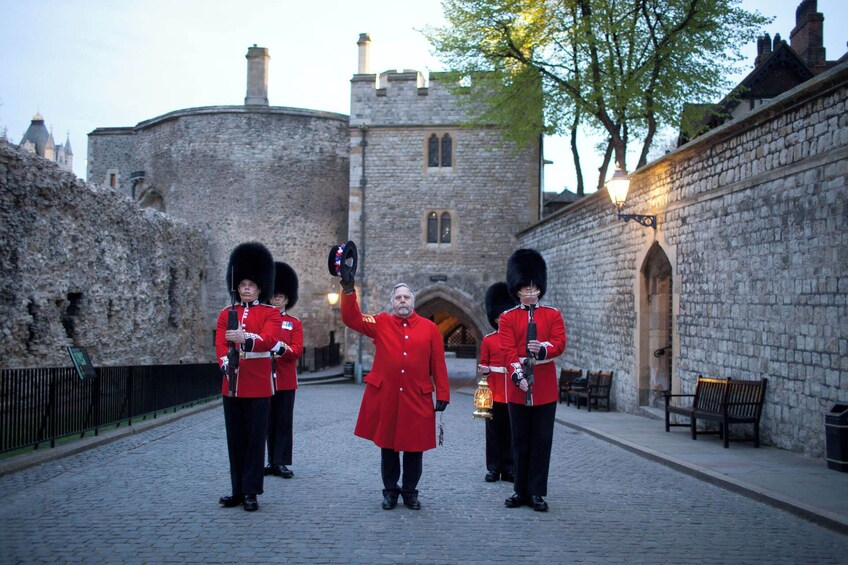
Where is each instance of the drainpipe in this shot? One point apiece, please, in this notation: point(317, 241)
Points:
point(363, 254)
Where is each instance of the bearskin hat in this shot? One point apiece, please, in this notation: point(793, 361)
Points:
point(252, 261)
point(498, 301)
point(526, 266)
point(285, 282)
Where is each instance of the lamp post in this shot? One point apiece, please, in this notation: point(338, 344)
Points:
point(617, 188)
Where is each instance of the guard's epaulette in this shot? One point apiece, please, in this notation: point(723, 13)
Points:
point(367, 318)
point(511, 309)
point(546, 306)
point(493, 333)
point(293, 317)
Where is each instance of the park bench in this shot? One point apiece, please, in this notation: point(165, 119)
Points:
point(596, 391)
point(566, 379)
point(725, 401)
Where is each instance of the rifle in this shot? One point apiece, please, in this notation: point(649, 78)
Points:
point(232, 352)
point(530, 363)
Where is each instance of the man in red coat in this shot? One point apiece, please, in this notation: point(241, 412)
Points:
point(493, 367)
point(397, 411)
point(251, 269)
point(532, 421)
point(285, 356)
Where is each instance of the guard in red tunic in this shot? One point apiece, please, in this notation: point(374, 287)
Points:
point(493, 367)
point(284, 360)
point(397, 411)
point(251, 270)
point(532, 420)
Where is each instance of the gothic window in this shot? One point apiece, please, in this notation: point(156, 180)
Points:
point(439, 227)
point(446, 150)
point(432, 227)
point(445, 228)
point(433, 151)
point(439, 151)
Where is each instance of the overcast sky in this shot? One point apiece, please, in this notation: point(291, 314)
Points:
point(85, 64)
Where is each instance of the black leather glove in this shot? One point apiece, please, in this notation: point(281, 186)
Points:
point(347, 285)
point(441, 405)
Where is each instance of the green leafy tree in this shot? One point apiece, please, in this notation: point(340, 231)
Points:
point(620, 67)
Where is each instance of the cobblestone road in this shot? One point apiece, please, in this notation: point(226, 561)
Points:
point(152, 498)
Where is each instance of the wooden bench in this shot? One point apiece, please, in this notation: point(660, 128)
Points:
point(597, 390)
point(566, 378)
point(725, 401)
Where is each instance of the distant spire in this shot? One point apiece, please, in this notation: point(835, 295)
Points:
point(38, 117)
point(68, 150)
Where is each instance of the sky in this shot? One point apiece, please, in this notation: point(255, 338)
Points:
point(85, 64)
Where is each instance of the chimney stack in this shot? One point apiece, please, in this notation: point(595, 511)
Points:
point(763, 49)
point(364, 54)
point(257, 76)
point(807, 38)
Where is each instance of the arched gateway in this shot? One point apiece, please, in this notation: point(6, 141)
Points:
point(461, 322)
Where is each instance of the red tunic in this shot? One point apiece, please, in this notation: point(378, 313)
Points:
point(286, 363)
point(409, 364)
point(551, 332)
point(262, 326)
point(491, 356)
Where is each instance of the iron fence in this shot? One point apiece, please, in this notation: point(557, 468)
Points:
point(38, 406)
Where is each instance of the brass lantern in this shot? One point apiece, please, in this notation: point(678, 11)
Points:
point(483, 400)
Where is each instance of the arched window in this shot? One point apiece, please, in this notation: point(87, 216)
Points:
point(433, 151)
point(439, 228)
point(445, 228)
point(439, 151)
point(432, 228)
point(447, 149)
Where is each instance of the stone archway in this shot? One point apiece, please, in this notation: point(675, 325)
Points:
point(655, 327)
point(459, 322)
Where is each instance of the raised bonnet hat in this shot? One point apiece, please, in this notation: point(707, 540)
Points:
point(498, 301)
point(524, 267)
point(252, 261)
point(285, 282)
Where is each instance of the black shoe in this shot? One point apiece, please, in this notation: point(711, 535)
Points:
point(515, 501)
point(508, 477)
point(389, 501)
point(411, 501)
point(269, 470)
point(492, 477)
point(539, 504)
point(231, 501)
point(250, 503)
point(284, 472)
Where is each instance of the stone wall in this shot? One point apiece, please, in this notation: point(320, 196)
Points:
point(752, 217)
point(82, 265)
point(276, 175)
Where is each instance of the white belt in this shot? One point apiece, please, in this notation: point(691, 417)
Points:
point(256, 355)
point(497, 370)
point(542, 362)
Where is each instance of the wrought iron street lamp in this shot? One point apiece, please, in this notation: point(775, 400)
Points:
point(617, 188)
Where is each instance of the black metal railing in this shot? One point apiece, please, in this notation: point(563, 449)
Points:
point(38, 406)
point(321, 358)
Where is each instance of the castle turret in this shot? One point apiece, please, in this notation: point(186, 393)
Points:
point(257, 76)
point(364, 54)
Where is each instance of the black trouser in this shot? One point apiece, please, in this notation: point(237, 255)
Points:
point(532, 435)
point(280, 421)
point(390, 468)
point(499, 440)
point(246, 420)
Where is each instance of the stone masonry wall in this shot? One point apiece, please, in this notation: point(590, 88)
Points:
point(82, 265)
point(276, 175)
point(753, 219)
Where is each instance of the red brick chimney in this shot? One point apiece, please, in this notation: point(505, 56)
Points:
point(807, 38)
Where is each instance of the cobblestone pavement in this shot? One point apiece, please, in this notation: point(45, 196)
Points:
point(152, 498)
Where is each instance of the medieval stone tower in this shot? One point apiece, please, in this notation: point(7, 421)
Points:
point(433, 203)
point(427, 200)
